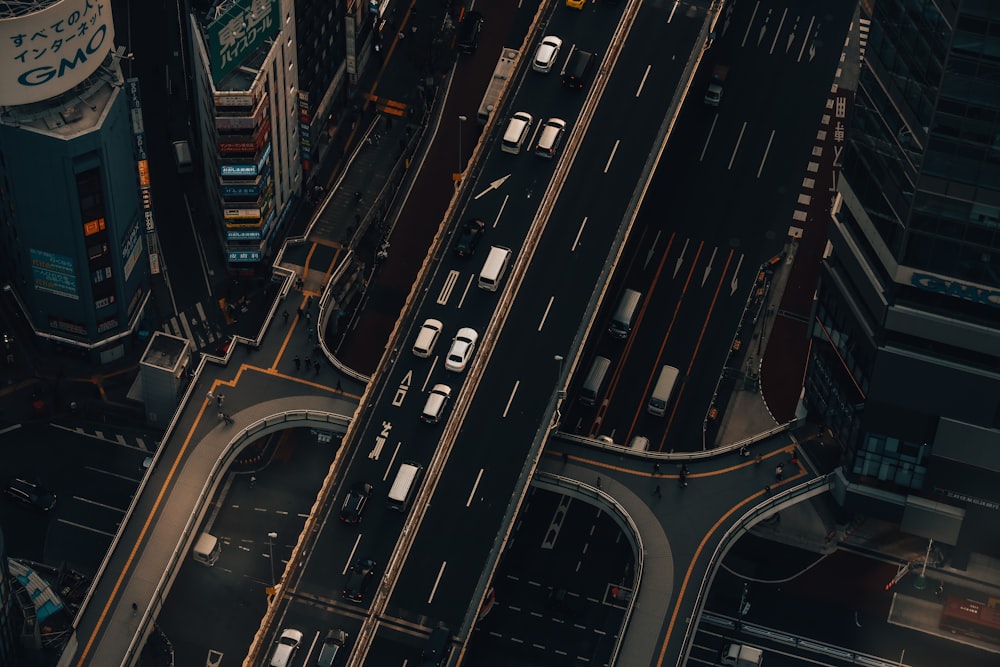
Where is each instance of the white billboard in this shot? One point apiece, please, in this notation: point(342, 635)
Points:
point(48, 52)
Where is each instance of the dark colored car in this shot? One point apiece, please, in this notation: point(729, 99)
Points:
point(332, 646)
point(469, 236)
point(467, 38)
point(436, 649)
point(359, 579)
point(354, 503)
point(30, 494)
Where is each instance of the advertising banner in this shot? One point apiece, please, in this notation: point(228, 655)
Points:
point(244, 26)
point(45, 53)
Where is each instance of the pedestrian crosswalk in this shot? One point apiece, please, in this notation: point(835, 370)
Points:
point(194, 326)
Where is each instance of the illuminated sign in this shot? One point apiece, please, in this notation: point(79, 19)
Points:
point(241, 213)
point(243, 234)
point(54, 274)
point(240, 190)
point(93, 226)
point(238, 169)
point(974, 293)
point(244, 26)
point(240, 256)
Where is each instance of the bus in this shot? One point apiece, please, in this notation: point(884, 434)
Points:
point(502, 73)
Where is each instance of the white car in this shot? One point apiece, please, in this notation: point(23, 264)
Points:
point(546, 54)
point(288, 644)
point(462, 347)
point(437, 401)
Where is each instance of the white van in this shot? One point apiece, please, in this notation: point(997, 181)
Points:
point(621, 321)
point(494, 267)
point(404, 487)
point(595, 380)
point(207, 549)
point(662, 392)
point(518, 128)
point(427, 337)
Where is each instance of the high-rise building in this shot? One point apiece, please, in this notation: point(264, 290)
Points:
point(74, 241)
point(905, 362)
point(273, 79)
point(10, 613)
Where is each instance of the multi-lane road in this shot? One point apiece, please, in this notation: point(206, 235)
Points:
point(483, 447)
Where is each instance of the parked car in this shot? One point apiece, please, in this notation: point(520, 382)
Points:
point(469, 236)
point(29, 493)
point(288, 646)
point(546, 54)
point(359, 579)
point(354, 503)
point(462, 347)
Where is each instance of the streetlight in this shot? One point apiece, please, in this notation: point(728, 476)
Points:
point(562, 391)
point(461, 121)
point(270, 553)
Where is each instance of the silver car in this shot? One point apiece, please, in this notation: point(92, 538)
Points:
point(546, 54)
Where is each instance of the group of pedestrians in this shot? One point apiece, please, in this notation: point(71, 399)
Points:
point(219, 399)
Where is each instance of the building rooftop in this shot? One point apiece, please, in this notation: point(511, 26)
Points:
point(165, 351)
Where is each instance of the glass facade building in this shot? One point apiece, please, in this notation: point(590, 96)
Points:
point(905, 362)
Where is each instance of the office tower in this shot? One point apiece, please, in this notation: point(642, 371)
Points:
point(74, 242)
point(905, 361)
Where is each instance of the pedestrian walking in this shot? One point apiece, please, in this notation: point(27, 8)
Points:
point(309, 335)
point(744, 451)
point(598, 482)
point(656, 469)
point(316, 367)
point(210, 396)
point(222, 416)
point(657, 492)
point(253, 480)
point(299, 311)
point(760, 457)
point(565, 458)
point(298, 363)
point(135, 609)
point(778, 470)
point(308, 363)
point(308, 316)
point(219, 398)
point(284, 315)
point(340, 390)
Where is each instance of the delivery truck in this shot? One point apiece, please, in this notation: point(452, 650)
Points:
point(206, 550)
point(741, 655)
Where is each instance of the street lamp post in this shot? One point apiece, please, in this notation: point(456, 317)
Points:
point(562, 390)
point(461, 122)
point(270, 553)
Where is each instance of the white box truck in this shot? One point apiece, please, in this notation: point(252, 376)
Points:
point(740, 655)
point(206, 549)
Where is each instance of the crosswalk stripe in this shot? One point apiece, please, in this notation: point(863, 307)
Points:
point(187, 329)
